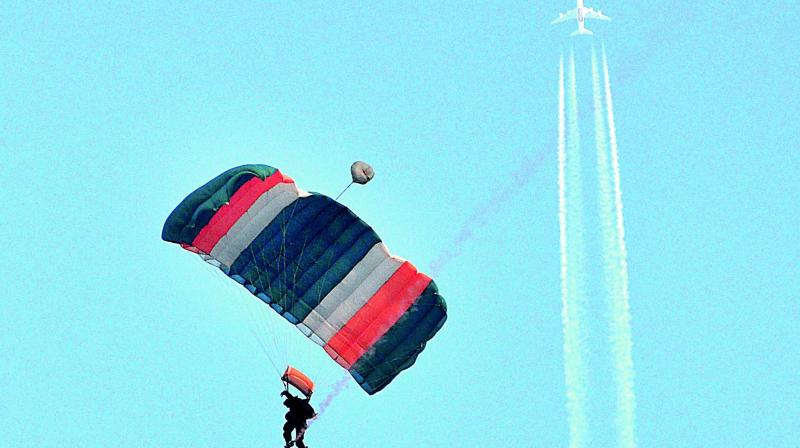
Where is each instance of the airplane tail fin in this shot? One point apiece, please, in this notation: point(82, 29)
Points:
point(581, 32)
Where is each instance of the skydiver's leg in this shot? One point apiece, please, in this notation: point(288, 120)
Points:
point(287, 433)
point(301, 432)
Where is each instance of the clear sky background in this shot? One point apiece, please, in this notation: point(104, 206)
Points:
point(111, 114)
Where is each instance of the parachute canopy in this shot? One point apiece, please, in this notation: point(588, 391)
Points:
point(316, 264)
point(361, 172)
point(299, 380)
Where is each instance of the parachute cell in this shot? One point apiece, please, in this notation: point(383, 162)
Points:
point(316, 264)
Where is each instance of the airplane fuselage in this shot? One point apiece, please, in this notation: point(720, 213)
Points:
point(580, 14)
point(580, 10)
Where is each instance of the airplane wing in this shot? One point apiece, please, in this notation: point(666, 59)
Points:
point(564, 16)
point(590, 13)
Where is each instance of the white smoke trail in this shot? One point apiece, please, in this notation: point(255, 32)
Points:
point(340, 385)
point(621, 317)
point(571, 259)
point(484, 213)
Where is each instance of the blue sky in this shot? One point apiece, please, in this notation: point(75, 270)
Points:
point(111, 114)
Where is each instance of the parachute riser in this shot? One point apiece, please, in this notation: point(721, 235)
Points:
point(345, 189)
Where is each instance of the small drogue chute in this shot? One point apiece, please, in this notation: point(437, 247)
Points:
point(361, 172)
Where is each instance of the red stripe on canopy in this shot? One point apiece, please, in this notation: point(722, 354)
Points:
point(238, 205)
point(378, 315)
point(190, 248)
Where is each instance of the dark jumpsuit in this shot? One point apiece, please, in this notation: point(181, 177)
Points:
point(299, 411)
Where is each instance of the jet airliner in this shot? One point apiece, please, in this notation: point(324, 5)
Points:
point(580, 13)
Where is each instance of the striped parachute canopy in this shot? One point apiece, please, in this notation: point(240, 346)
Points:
point(316, 264)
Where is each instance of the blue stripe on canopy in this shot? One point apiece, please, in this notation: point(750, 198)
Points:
point(304, 253)
point(398, 349)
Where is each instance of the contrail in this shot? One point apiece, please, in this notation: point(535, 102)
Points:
point(562, 200)
point(573, 406)
point(621, 316)
point(610, 253)
point(570, 224)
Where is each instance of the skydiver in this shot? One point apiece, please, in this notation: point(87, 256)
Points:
point(300, 410)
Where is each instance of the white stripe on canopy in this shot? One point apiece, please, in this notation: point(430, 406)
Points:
point(250, 224)
point(346, 298)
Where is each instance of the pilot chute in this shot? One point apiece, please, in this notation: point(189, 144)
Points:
point(361, 172)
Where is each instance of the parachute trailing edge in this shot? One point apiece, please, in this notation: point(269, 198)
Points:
point(316, 264)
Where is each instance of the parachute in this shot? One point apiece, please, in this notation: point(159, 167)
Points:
point(299, 380)
point(315, 263)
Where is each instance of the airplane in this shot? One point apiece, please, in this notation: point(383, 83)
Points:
point(580, 13)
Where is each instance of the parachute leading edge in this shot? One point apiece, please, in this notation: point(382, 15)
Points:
point(315, 263)
point(580, 13)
